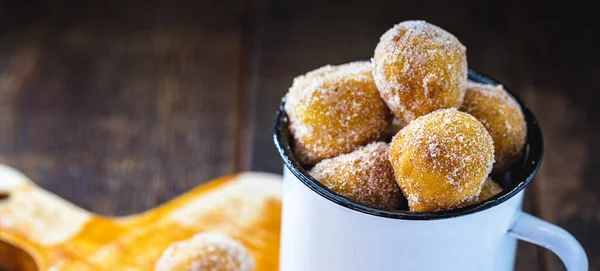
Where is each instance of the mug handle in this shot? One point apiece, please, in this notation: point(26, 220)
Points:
point(534, 230)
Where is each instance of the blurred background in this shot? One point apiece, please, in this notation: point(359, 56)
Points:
point(119, 106)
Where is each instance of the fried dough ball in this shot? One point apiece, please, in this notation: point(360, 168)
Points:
point(333, 110)
point(419, 68)
point(502, 117)
point(441, 160)
point(364, 175)
point(490, 188)
point(208, 251)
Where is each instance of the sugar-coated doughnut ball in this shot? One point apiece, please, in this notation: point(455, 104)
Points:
point(419, 68)
point(441, 160)
point(206, 251)
point(333, 110)
point(502, 117)
point(490, 188)
point(364, 175)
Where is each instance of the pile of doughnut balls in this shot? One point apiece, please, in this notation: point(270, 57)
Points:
point(407, 124)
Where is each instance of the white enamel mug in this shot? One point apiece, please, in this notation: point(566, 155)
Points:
point(324, 231)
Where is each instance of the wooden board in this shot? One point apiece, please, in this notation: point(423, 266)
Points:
point(40, 231)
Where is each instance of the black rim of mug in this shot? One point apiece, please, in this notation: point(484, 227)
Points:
point(527, 169)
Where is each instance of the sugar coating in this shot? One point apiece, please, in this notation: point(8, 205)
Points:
point(208, 251)
point(441, 160)
point(490, 188)
point(333, 110)
point(364, 175)
point(419, 68)
point(502, 117)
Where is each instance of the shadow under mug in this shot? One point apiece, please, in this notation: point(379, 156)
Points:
point(324, 231)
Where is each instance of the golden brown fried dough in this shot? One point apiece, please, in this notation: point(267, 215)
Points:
point(490, 188)
point(502, 117)
point(206, 252)
point(364, 175)
point(441, 160)
point(333, 110)
point(419, 68)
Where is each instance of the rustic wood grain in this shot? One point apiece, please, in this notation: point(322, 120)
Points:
point(560, 87)
point(119, 106)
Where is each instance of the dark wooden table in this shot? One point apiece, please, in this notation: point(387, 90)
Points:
point(119, 106)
